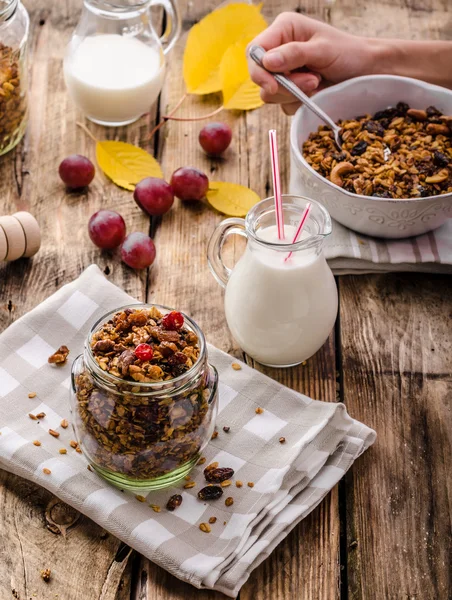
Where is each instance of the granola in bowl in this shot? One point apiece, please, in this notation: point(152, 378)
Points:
point(399, 152)
point(144, 397)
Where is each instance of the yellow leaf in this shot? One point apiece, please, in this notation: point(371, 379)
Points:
point(230, 198)
point(126, 164)
point(239, 92)
point(209, 39)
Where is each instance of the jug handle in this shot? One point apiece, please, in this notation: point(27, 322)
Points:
point(226, 228)
point(173, 23)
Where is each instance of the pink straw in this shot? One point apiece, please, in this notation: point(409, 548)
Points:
point(304, 217)
point(276, 184)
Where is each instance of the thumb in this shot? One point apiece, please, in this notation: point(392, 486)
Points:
point(293, 55)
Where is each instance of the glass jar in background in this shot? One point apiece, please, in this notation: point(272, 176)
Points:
point(14, 26)
point(142, 435)
point(114, 65)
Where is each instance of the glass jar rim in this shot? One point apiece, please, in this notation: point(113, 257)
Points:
point(116, 6)
point(304, 244)
point(148, 386)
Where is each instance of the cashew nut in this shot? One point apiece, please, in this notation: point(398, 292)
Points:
point(340, 169)
point(438, 129)
point(438, 177)
point(417, 115)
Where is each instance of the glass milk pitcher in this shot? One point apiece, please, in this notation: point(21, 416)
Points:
point(115, 62)
point(280, 307)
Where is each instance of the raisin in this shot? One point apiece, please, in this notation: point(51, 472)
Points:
point(440, 159)
point(103, 346)
point(375, 128)
point(402, 107)
point(359, 148)
point(382, 194)
point(339, 157)
point(432, 111)
point(387, 113)
point(179, 358)
point(174, 502)
point(423, 191)
point(210, 492)
point(218, 475)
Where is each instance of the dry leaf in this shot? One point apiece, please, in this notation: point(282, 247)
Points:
point(126, 164)
point(230, 198)
point(239, 92)
point(209, 39)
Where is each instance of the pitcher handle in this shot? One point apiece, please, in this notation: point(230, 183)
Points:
point(173, 23)
point(222, 232)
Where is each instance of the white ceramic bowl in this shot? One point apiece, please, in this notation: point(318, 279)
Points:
point(370, 215)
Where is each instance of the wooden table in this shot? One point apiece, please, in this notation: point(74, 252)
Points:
point(385, 531)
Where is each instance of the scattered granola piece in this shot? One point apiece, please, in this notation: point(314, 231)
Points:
point(40, 415)
point(229, 501)
point(155, 507)
point(62, 451)
point(226, 483)
point(282, 440)
point(64, 423)
point(140, 498)
point(54, 433)
point(226, 429)
point(174, 502)
point(32, 395)
point(214, 435)
point(78, 449)
point(36, 442)
point(259, 410)
point(73, 444)
point(212, 520)
point(33, 417)
point(187, 477)
point(250, 484)
point(89, 467)
point(46, 574)
point(210, 492)
point(205, 527)
point(218, 475)
point(60, 356)
point(236, 367)
point(201, 461)
point(190, 484)
point(239, 484)
point(213, 465)
point(224, 522)
point(46, 471)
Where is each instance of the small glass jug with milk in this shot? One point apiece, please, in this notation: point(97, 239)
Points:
point(280, 307)
point(114, 64)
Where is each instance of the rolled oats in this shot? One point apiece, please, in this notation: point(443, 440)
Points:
point(419, 163)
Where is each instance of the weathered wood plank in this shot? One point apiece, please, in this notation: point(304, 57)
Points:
point(29, 181)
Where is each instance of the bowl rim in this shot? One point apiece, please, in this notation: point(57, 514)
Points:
point(339, 87)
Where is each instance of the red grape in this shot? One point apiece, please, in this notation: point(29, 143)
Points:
point(107, 229)
point(76, 171)
point(138, 250)
point(173, 320)
point(189, 183)
point(215, 138)
point(154, 196)
point(144, 352)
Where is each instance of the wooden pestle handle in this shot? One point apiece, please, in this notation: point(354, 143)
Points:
point(20, 236)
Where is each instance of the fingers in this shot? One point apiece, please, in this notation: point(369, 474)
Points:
point(307, 82)
point(293, 56)
point(291, 108)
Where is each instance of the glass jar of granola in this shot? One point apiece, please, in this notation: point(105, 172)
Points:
point(144, 397)
point(14, 25)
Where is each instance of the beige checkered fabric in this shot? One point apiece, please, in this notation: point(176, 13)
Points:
point(290, 479)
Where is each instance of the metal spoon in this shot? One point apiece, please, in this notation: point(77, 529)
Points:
point(257, 54)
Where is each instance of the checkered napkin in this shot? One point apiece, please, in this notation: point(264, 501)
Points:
point(290, 479)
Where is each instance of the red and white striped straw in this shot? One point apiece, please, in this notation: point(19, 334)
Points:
point(276, 183)
point(304, 217)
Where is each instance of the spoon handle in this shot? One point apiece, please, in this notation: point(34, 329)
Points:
point(257, 54)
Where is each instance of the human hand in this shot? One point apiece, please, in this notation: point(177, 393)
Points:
point(313, 54)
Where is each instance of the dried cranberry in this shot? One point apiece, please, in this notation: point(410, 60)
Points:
point(144, 352)
point(218, 475)
point(210, 492)
point(402, 108)
point(359, 148)
point(178, 358)
point(174, 502)
point(173, 321)
point(439, 159)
